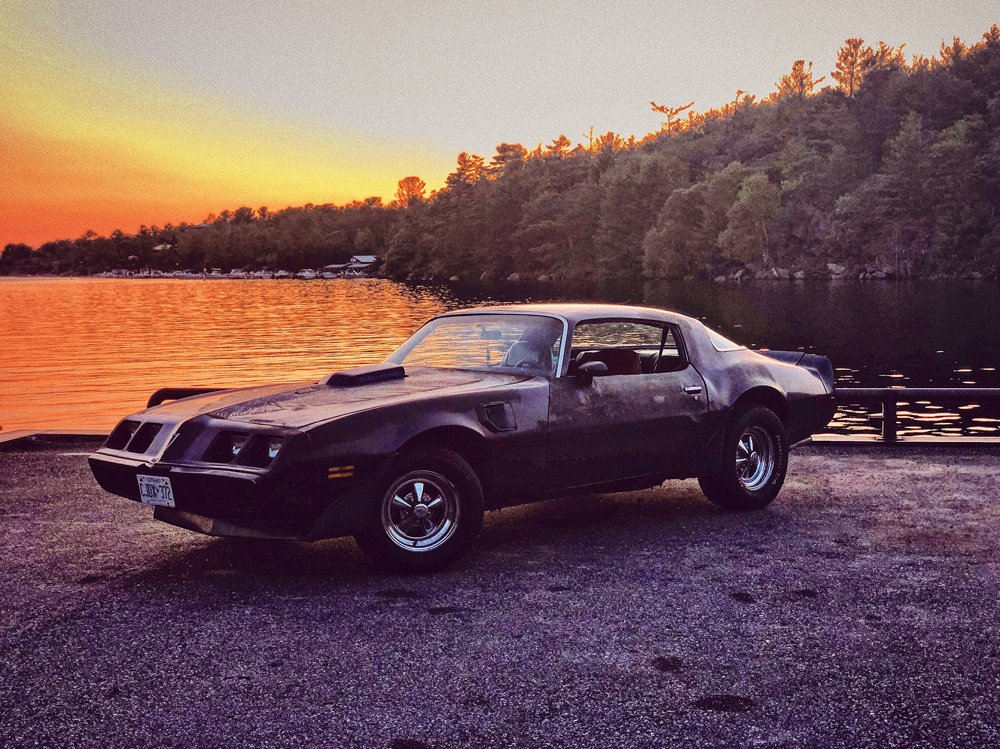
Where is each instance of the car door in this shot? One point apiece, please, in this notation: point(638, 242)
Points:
point(621, 426)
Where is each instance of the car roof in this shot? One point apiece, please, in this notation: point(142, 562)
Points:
point(575, 313)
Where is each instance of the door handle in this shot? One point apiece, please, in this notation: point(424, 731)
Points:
point(692, 389)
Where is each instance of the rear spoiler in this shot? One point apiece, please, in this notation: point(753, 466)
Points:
point(172, 394)
point(819, 365)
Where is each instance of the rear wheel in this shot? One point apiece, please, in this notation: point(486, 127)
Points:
point(428, 512)
point(754, 462)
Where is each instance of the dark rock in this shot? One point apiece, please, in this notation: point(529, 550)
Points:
point(668, 664)
point(726, 703)
point(407, 744)
point(439, 610)
point(395, 593)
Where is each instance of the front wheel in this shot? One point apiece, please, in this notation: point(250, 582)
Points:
point(754, 461)
point(429, 512)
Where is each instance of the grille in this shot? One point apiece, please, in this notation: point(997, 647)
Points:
point(143, 437)
point(122, 434)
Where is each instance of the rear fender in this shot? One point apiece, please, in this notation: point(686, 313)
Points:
point(818, 365)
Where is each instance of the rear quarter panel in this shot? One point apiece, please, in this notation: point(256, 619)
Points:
point(730, 374)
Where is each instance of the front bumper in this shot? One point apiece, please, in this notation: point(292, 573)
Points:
point(272, 529)
point(300, 503)
point(215, 492)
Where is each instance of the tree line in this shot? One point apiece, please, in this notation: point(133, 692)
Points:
point(891, 169)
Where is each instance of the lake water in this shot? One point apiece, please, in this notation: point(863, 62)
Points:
point(82, 353)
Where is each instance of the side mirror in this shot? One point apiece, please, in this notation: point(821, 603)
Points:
point(588, 371)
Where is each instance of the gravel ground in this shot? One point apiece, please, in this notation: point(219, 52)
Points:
point(859, 610)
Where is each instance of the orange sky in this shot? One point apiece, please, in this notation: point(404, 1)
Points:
point(89, 144)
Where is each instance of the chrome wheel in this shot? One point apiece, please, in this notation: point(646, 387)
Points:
point(755, 458)
point(420, 512)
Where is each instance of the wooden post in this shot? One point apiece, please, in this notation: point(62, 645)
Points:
point(889, 417)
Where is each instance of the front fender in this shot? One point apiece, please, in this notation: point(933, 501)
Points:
point(515, 451)
point(353, 510)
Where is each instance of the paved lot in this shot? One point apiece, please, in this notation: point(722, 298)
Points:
point(861, 609)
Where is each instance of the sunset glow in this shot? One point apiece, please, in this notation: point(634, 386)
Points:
point(116, 115)
point(87, 145)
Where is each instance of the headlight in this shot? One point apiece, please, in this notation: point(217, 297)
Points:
point(226, 447)
point(241, 448)
point(236, 442)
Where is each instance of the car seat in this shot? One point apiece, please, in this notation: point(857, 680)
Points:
point(619, 361)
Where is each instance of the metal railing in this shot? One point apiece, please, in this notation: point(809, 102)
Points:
point(891, 397)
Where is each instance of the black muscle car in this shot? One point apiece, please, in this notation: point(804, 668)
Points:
point(480, 409)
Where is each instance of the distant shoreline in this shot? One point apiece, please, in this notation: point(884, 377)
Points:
point(544, 282)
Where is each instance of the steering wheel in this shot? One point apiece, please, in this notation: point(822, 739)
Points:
point(525, 356)
point(520, 362)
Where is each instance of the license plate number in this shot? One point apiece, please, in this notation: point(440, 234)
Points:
point(156, 490)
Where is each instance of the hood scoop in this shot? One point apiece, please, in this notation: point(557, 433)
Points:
point(364, 375)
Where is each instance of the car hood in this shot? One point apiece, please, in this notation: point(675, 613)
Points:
point(298, 405)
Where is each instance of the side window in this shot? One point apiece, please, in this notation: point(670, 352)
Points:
point(627, 348)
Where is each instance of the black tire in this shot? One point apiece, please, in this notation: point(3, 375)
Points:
point(429, 487)
point(756, 482)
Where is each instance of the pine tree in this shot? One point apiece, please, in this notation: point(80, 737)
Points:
point(559, 147)
point(470, 169)
point(410, 188)
point(852, 61)
point(799, 82)
point(671, 113)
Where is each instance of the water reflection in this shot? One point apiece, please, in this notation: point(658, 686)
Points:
point(85, 352)
point(81, 353)
point(916, 334)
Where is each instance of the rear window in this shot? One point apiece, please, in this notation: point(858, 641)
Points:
point(722, 343)
point(617, 334)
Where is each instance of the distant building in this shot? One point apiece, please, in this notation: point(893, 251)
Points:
point(360, 265)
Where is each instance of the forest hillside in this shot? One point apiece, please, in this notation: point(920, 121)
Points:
point(888, 167)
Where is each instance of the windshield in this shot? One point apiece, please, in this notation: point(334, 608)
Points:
point(490, 342)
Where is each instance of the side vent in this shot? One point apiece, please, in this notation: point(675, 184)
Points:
point(497, 417)
point(364, 375)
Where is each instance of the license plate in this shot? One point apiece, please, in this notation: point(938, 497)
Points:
point(156, 490)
